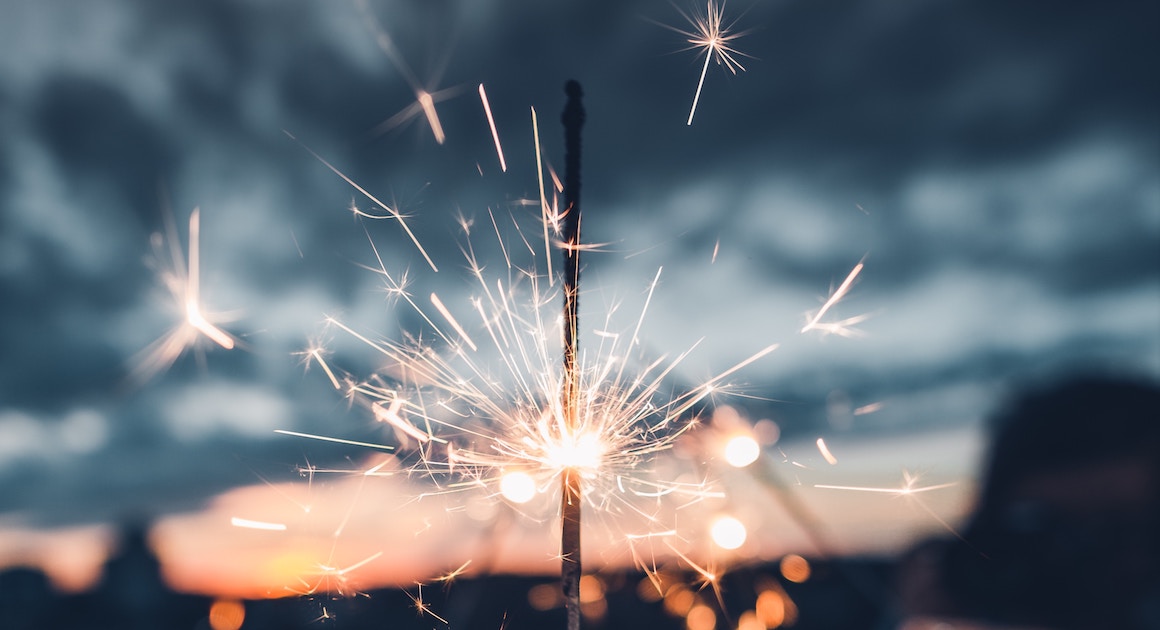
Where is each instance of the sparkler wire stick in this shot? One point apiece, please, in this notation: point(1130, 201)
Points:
point(570, 571)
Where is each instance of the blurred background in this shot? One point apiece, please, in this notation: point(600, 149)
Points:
point(994, 165)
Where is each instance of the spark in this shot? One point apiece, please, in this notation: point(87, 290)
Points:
point(391, 416)
point(906, 489)
point(494, 132)
point(332, 578)
point(814, 323)
point(543, 199)
point(391, 212)
point(438, 304)
point(193, 310)
point(325, 616)
point(870, 408)
point(360, 563)
point(249, 524)
point(825, 451)
point(325, 438)
point(452, 575)
point(336, 571)
point(421, 606)
point(713, 38)
point(315, 354)
point(297, 247)
point(424, 98)
point(427, 102)
point(182, 278)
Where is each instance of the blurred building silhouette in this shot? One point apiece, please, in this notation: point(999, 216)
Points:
point(130, 595)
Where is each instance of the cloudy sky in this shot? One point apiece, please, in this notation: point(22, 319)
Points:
point(996, 166)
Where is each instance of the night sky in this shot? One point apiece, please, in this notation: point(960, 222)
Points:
point(995, 164)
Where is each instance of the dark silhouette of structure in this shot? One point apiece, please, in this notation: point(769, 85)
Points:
point(1066, 534)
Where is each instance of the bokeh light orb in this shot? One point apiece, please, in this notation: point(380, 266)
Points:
point(728, 532)
point(742, 451)
point(517, 487)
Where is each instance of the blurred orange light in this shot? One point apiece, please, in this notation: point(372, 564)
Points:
point(595, 611)
point(545, 596)
point(591, 589)
point(770, 609)
point(226, 614)
point(701, 617)
point(795, 568)
point(679, 600)
point(749, 621)
point(647, 591)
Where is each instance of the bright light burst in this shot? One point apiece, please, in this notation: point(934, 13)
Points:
point(473, 397)
point(712, 37)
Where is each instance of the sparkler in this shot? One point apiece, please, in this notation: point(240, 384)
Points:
point(590, 426)
point(573, 119)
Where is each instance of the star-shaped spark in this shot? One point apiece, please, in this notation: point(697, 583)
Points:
point(713, 37)
point(424, 99)
point(182, 279)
